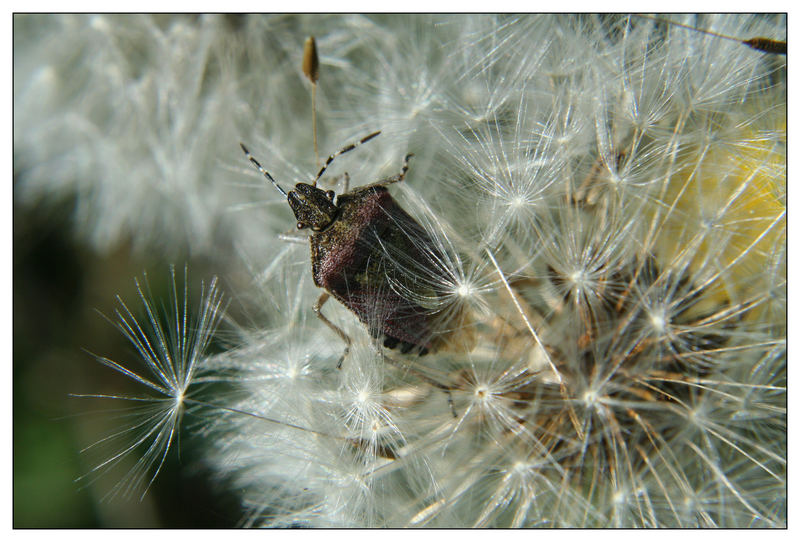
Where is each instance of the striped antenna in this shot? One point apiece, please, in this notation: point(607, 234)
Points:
point(262, 170)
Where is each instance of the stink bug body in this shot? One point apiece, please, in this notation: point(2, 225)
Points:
point(364, 248)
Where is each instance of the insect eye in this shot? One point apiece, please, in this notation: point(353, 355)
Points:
point(330, 194)
point(300, 225)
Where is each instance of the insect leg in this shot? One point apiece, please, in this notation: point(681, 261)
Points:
point(348, 148)
point(293, 236)
point(400, 176)
point(404, 366)
point(318, 311)
point(343, 179)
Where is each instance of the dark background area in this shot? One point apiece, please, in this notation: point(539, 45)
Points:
point(60, 287)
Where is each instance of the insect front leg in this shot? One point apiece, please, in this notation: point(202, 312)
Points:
point(318, 311)
point(400, 176)
point(293, 236)
point(340, 152)
point(344, 179)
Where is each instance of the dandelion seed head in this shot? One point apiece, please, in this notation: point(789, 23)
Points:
point(466, 289)
point(517, 202)
point(694, 416)
point(579, 278)
point(590, 397)
point(292, 372)
point(658, 319)
point(603, 200)
point(482, 393)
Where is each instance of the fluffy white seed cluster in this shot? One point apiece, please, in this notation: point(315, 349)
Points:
point(605, 197)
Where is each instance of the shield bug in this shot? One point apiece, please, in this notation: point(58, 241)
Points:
point(365, 249)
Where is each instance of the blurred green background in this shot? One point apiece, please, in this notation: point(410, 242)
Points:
point(59, 285)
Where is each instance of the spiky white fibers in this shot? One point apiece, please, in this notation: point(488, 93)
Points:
point(606, 197)
point(170, 343)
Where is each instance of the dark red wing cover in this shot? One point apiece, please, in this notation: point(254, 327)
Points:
point(375, 260)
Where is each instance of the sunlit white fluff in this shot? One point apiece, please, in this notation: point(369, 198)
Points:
point(605, 198)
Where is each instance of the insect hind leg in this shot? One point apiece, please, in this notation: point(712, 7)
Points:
point(336, 329)
point(443, 387)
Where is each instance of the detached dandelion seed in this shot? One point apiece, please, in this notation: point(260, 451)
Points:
point(170, 346)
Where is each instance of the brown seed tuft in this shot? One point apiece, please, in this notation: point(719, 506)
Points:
point(311, 60)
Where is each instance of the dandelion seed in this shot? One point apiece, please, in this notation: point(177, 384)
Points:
point(170, 347)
